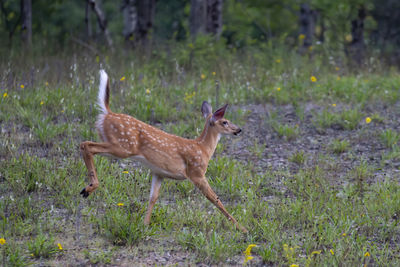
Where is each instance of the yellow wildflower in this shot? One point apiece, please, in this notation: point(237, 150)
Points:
point(278, 61)
point(313, 79)
point(126, 172)
point(278, 89)
point(5, 95)
point(310, 48)
point(147, 91)
point(338, 78)
point(214, 73)
point(120, 204)
point(367, 254)
point(41, 102)
point(333, 105)
point(348, 38)
point(368, 120)
point(22, 86)
point(316, 252)
point(59, 246)
point(2, 241)
point(248, 249)
point(247, 253)
point(46, 83)
point(344, 234)
point(302, 36)
point(122, 78)
point(332, 252)
point(294, 265)
point(203, 76)
point(337, 68)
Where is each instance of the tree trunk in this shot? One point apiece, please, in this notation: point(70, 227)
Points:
point(102, 22)
point(214, 17)
point(26, 19)
point(357, 45)
point(146, 12)
point(198, 16)
point(130, 15)
point(307, 26)
point(87, 20)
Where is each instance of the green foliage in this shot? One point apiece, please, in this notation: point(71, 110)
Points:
point(389, 137)
point(125, 226)
point(42, 246)
point(339, 146)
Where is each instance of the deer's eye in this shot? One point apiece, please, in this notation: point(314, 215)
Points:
point(224, 122)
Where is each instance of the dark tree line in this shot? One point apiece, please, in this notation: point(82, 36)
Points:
point(354, 23)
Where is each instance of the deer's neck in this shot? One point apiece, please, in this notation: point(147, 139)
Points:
point(208, 139)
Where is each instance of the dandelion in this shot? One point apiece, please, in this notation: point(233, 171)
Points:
point(310, 48)
point(278, 89)
point(338, 78)
point(332, 252)
point(344, 234)
point(368, 120)
point(294, 265)
point(2, 241)
point(120, 204)
point(59, 246)
point(41, 102)
point(337, 68)
point(22, 86)
point(302, 36)
point(126, 172)
point(367, 254)
point(148, 91)
point(214, 73)
point(247, 253)
point(333, 105)
point(46, 83)
point(202, 76)
point(5, 95)
point(278, 61)
point(313, 79)
point(122, 78)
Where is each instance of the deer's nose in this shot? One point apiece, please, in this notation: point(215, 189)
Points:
point(238, 131)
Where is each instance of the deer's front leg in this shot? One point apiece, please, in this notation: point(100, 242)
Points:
point(88, 150)
point(154, 192)
point(206, 189)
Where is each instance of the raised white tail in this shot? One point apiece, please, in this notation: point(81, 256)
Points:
point(167, 155)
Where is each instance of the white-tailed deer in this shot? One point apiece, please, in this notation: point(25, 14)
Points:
point(167, 155)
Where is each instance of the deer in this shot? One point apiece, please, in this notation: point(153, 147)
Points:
point(166, 155)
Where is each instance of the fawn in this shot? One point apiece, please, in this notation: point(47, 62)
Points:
point(166, 155)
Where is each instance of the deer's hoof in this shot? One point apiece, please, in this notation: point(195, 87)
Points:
point(84, 193)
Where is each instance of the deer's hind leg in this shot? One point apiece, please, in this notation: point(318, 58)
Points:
point(88, 150)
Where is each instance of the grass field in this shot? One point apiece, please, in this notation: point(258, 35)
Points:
point(314, 176)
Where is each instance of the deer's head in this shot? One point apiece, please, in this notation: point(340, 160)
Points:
point(216, 120)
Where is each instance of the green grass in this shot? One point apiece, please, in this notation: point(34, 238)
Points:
point(305, 215)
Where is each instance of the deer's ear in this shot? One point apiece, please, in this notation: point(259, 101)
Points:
point(219, 113)
point(206, 109)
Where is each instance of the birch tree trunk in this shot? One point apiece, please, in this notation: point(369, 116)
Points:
point(130, 15)
point(307, 21)
point(357, 45)
point(214, 17)
point(102, 22)
point(198, 17)
point(146, 12)
point(26, 23)
point(87, 20)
